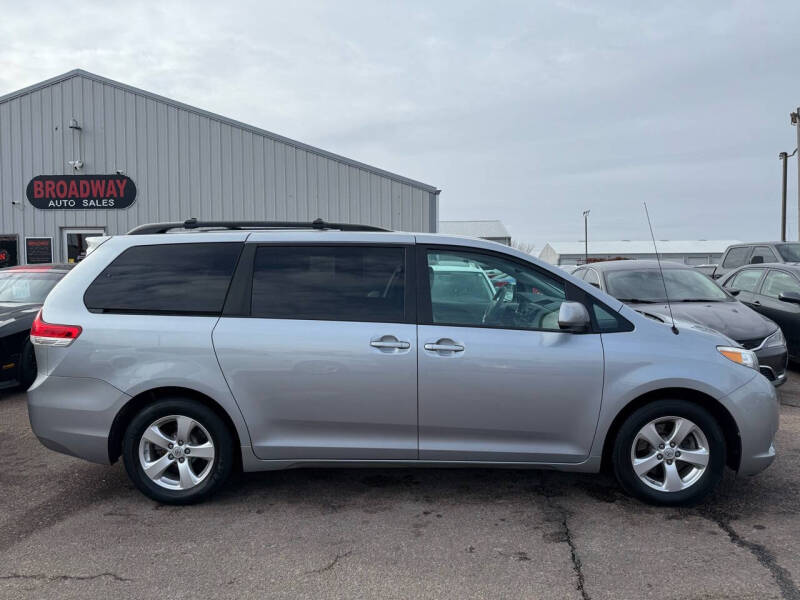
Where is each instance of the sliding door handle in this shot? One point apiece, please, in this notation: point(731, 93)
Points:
point(444, 347)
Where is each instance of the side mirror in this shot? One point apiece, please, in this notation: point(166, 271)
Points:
point(573, 317)
point(792, 297)
point(733, 292)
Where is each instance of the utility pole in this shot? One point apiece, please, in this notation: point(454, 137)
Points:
point(783, 156)
point(795, 120)
point(586, 236)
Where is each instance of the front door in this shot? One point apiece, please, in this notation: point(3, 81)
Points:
point(73, 242)
point(785, 314)
point(498, 380)
point(324, 366)
point(746, 282)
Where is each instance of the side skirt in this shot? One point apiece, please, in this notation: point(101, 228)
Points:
point(251, 463)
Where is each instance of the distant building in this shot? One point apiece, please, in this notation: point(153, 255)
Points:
point(493, 231)
point(690, 252)
point(84, 156)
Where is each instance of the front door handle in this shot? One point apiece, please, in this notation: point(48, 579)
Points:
point(444, 347)
point(391, 345)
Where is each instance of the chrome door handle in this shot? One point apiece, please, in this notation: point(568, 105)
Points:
point(444, 347)
point(400, 345)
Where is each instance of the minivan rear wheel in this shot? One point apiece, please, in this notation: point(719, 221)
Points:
point(177, 451)
point(669, 452)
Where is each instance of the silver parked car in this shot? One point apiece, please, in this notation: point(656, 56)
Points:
point(245, 345)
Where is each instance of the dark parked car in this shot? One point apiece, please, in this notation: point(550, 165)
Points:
point(22, 293)
point(694, 297)
point(774, 291)
point(757, 253)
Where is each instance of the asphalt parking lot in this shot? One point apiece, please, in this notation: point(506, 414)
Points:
point(71, 529)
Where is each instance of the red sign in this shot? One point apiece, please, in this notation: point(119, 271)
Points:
point(82, 192)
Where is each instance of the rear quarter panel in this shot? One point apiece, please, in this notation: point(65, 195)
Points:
point(137, 353)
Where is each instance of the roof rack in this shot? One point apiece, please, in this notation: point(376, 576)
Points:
point(193, 223)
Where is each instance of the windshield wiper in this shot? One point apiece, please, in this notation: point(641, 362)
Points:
point(699, 300)
point(640, 301)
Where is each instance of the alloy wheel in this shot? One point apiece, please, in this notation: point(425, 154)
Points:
point(670, 454)
point(176, 452)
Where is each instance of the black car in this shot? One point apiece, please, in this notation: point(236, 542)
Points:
point(22, 293)
point(774, 291)
point(695, 298)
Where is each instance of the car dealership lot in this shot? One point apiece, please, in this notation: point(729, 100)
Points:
point(70, 529)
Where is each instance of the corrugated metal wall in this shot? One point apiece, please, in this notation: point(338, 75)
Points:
point(185, 163)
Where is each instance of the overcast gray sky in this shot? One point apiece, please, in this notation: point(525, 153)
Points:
point(528, 112)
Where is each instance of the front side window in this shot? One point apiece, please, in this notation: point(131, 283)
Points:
point(330, 283)
point(777, 282)
point(736, 257)
point(483, 290)
point(188, 279)
point(745, 281)
point(647, 285)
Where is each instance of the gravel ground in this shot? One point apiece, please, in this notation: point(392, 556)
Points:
point(71, 529)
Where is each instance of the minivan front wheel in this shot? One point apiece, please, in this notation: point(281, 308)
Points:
point(177, 451)
point(669, 452)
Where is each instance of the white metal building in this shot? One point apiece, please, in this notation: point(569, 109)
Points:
point(690, 252)
point(83, 155)
point(494, 231)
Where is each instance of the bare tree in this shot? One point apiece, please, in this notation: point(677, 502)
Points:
point(525, 247)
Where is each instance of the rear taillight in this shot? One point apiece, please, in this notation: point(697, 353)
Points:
point(49, 334)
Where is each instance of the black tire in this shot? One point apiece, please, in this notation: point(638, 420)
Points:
point(221, 465)
point(27, 365)
point(695, 493)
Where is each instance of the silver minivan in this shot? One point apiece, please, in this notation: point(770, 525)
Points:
point(190, 350)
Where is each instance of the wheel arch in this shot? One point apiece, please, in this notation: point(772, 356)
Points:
point(151, 396)
point(733, 445)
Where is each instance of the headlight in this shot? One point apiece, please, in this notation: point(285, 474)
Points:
point(740, 356)
point(775, 340)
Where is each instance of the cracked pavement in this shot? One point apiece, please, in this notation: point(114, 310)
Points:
point(71, 529)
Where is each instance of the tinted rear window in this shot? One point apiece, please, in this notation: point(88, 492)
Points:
point(330, 283)
point(166, 279)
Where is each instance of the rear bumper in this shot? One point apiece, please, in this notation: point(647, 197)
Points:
point(73, 415)
point(755, 408)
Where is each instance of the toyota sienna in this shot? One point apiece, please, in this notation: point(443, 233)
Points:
point(193, 349)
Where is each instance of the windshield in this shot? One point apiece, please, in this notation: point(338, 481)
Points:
point(789, 252)
point(683, 285)
point(26, 288)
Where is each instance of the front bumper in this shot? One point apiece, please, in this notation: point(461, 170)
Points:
point(772, 364)
point(73, 415)
point(755, 408)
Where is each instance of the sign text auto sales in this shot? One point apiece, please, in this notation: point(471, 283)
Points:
point(83, 192)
